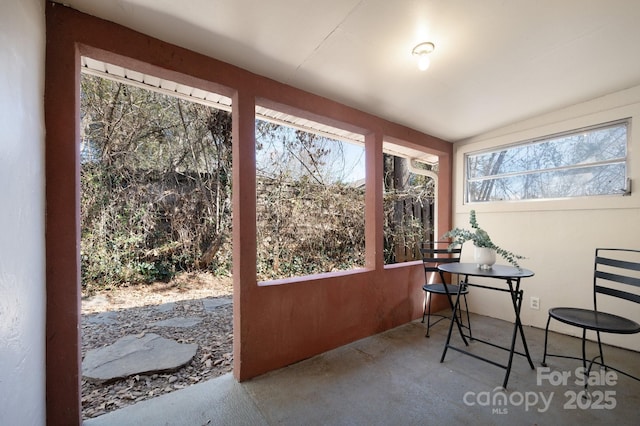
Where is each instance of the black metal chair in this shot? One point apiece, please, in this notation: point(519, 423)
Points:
point(616, 274)
point(435, 253)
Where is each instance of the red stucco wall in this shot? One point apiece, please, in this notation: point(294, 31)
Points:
point(275, 324)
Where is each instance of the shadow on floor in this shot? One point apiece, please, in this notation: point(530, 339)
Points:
point(395, 378)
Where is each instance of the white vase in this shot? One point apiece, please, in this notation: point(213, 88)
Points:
point(484, 257)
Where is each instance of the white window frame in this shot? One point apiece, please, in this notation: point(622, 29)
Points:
point(625, 190)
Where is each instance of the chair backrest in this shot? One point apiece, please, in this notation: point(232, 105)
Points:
point(617, 274)
point(436, 253)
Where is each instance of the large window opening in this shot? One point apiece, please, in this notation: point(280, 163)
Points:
point(585, 162)
point(409, 207)
point(310, 200)
point(155, 234)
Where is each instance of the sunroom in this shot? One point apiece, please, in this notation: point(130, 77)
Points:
point(503, 78)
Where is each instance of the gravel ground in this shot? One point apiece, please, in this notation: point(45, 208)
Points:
point(109, 315)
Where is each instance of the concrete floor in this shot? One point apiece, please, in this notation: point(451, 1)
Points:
point(395, 378)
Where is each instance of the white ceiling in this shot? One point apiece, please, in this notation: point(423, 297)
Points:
point(495, 61)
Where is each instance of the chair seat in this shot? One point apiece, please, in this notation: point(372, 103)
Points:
point(592, 320)
point(439, 289)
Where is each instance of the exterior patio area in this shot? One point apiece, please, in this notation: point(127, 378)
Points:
point(543, 97)
point(395, 377)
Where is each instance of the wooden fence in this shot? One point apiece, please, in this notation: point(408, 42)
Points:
point(411, 222)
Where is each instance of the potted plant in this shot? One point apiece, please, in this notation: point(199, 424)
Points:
point(486, 250)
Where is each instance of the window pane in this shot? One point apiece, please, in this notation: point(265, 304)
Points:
point(310, 203)
point(582, 163)
point(595, 180)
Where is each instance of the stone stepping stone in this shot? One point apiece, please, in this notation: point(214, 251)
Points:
point(134, 354)
point(211, 304)
point(103, 318)
point(181, 322)
point(166, 307)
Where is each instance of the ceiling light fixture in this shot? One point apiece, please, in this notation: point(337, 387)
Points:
point(422, 51)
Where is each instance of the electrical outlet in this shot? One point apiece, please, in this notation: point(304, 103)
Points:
point(534, 303)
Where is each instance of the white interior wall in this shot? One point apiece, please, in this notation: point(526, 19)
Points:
point(558, 237)
point(22, 282)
